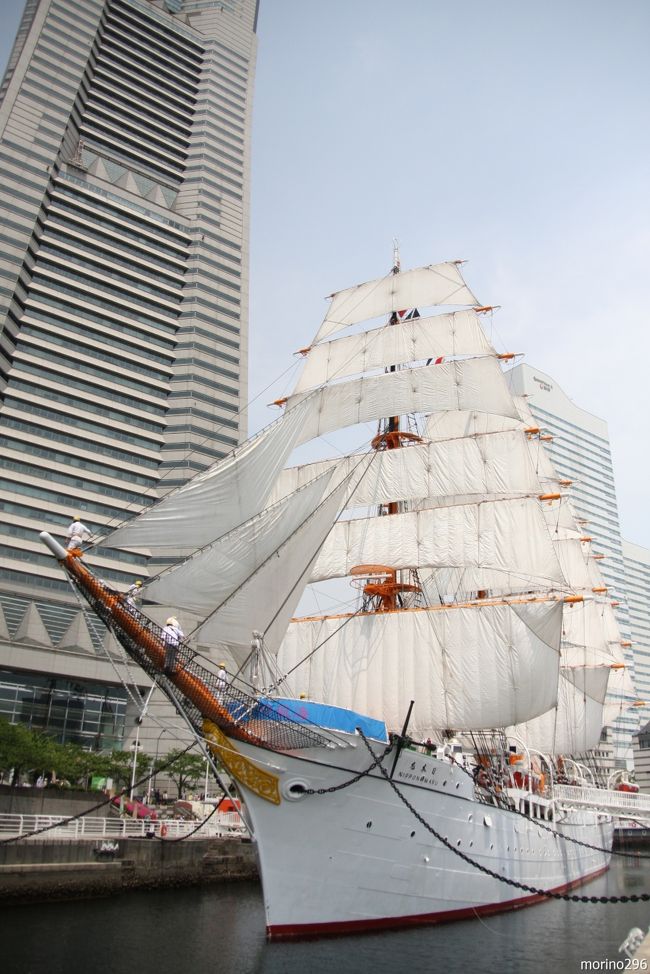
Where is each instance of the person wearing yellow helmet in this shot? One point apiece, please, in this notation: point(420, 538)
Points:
point(222, 678)
point(133, 594)
point(77, 533)
point(173, 636)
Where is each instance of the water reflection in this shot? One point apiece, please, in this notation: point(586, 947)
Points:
point(221, 928)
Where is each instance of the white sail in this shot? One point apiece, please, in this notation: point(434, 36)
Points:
point(469, 384)
point(578, 565)
point(590, 635)
point(474, 516)
point(412, 340)
point(452, 425)
point(471, 668)
point(212, 503)
point(560, 518)
point(575, 725)
point(504, 536)
point(436, 284)
point(450, 585)
point(441, 426)
point(621, 695)
point(540, 458)
point(268, 598)
point(497, 464)
point(203, 582)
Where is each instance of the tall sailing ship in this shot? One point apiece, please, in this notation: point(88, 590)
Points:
point(398, 762)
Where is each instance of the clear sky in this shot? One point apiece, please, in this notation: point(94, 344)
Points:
point(514, 135)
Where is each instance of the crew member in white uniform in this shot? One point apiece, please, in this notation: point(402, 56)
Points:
point(133, 594)
point(173, 636)
point(78, 533)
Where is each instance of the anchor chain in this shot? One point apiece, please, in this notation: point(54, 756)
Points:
point(352, 781)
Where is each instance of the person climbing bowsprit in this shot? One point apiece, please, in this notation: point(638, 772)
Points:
point(133, 595)
point(77, 533)
point(173, 636)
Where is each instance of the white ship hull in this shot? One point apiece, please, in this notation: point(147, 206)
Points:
point(358, 859)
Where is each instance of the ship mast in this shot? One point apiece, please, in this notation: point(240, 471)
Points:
point(394, 421)
point(383, 588)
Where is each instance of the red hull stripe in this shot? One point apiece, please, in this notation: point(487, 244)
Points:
point(304, 931)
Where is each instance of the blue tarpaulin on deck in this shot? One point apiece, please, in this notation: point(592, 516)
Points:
point(321, 714)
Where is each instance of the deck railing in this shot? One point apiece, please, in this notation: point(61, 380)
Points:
point(634, 803)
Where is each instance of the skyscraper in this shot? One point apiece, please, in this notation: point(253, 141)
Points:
point(578, 443)
point(637, 574)
point(125, 144)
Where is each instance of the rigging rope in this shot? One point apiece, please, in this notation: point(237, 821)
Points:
point(181, 838)
point(319, 646)
point(100, 641)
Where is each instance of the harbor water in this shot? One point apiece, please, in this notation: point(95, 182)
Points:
point(203, 930)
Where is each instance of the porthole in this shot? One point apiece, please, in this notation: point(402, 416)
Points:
point(295, 789)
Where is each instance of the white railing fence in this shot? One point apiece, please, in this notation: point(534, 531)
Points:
point(601, 798)
point(222, 824)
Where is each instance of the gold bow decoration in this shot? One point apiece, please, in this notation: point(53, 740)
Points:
point(246, 772)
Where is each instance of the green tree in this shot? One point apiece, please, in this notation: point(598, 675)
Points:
point(185, 770)
point(118, 765)
point(30, 753)
point(25, 751)
point(76, 765)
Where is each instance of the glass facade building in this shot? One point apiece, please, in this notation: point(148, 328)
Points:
point(66, 710)
point(125, 151)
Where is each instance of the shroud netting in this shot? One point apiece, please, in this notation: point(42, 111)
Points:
point(192, 688)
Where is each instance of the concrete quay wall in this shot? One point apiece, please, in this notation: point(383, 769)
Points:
point(32, 870)
point(49, 801)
